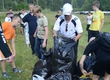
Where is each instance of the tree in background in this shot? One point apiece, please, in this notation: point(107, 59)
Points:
point(67, 1)
point(43, 3)
point(57, 4)
point(74, 3)
point(87, 5)
point(105, 5)
point(53, 5)
point(80, 3)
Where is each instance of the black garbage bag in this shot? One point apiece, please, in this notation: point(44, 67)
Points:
point(63, 57)
point(59, 62)
point(43, 68)
point(88, 65)
point(61, 76)
point(47, 55)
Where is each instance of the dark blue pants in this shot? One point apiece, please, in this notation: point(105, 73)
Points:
point(32, 42)
point(38, 46)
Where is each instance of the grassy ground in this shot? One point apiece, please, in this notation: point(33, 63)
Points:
point(25, 60)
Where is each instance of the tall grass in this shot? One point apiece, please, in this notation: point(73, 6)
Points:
point(24, 58)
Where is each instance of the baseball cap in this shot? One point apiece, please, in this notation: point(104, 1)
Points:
point(67, 9)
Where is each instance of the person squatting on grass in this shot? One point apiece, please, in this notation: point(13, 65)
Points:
point(69, 26)
point(97, 20)
point(41, 32)
point(102, 65)
point(9, 33)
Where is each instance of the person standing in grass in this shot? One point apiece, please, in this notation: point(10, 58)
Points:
point(31, 19)
point(7, 18)
point(89, 21)
point(97, 20)
point(11, 13)
point(25, 29)
point(6, 53)
point(9, 33)
point(41, 33)
point(58, 15)
point(69, 26)
point(22, 14)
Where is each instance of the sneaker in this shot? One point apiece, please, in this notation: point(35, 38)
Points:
point(5, 75)
point(16, 70)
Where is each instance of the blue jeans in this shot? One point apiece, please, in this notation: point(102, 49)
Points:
point(38, 46)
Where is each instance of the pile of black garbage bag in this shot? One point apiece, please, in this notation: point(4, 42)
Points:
point(59, 62)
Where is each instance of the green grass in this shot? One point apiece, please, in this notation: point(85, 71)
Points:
point(25, 60)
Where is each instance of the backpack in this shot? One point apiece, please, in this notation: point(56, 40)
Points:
point(104, 40)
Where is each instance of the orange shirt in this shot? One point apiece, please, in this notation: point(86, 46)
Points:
point(9, 31)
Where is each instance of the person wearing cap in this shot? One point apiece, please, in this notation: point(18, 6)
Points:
point(68, 25)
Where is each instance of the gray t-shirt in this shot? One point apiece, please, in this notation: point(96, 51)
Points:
point(42, 23)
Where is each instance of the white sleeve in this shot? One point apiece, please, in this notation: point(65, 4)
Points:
point(6, 19)
point(79, 26)
point(57, 25)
